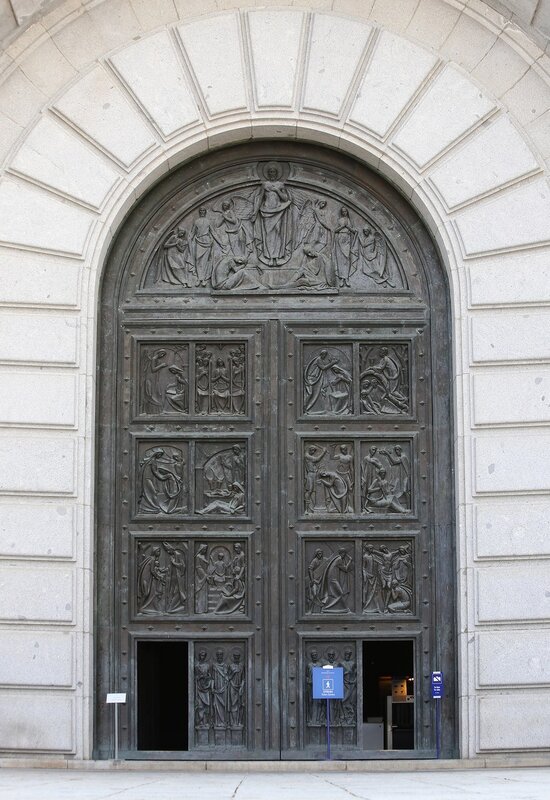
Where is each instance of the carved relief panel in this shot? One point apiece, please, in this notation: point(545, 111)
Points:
point(329, 477)
point(384, 379)
point(197, 476)
point(387, 571)
point(193, 378)
point(161, 581)
point(329, 577)
point(220, 578)
point(386, 477)
point(343, 712)
point(220, 692)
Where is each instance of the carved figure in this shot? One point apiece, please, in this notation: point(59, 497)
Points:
point(345, 248)
point(220, 681)
point(151, 582)
point(313, 455)
point(336, 491)
point(349, 702)
point(203, 691)
point(315, 709)
point(203, 237)
point(232, 272)
point(201, 579)
point(234, 504)
point(165, 386)
point(327, 385)
point(328, 584)
point(176, 593)
point(273, 219)
point(316, 271)
point(369, 470)
point(314, 228)
point(381, 384)
point(223, 469)
point(343, 456)
point(238, 399)
point(315, 573)
point(236, 231)
point(373, 257)
point(399, 473)
point(161, 478)
point(236, 684)
point(220, 379)
point(174, 261)
point(380, 495)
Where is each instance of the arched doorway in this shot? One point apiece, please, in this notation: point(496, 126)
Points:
point(274, 469)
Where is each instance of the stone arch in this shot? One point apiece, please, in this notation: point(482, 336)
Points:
point(466, 141)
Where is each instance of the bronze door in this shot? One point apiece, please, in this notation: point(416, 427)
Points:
point(274, 484)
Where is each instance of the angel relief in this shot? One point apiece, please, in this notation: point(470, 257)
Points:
point(275, 237)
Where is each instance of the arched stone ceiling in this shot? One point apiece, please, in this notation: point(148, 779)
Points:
point(532, 16)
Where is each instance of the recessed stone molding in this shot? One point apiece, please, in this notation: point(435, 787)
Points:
point(450, 102)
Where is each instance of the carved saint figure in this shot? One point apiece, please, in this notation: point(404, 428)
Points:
point(176, 594)
point(220, 681)
point(223, 469)
point(162, 486)
point(165, 386)
point(380, 495)
point(385, 480)
point(373, 257)
point(174, 261)
point(327, 385)
point(381, 385)
point(203, 237)
point(151, 582)
point(273, 219)
point(201, 579)
point(232, 272)
point(232, 593)
point(349, 702)
point(336, 492)
point(343, 456)
point(313, 455)
point(235, 675)
point(314, 228)
point(315, 709)
point(369, 470)
point(235, 230)
point(399, 477)
point(328, 584)
point(203, 691)
point(345, 248)
point(316, 271)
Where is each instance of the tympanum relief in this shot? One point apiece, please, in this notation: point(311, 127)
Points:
point(220, 578)
point(274, 234)
point(220, 694)
point(343, 713)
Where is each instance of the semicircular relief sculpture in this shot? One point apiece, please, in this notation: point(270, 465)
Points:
point(275, 431)
point(276, 232)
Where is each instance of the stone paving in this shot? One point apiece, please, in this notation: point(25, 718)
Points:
point(496, 784)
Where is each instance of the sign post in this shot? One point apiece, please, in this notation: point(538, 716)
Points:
point(116, 698)
point(328, 683)
point(437, 694)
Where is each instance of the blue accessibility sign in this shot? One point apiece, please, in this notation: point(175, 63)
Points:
point(437, 685)
point(328, 683)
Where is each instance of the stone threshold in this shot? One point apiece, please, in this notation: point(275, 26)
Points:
point(397, 766)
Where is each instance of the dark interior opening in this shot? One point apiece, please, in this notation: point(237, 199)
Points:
point(388, 694)
point(162, 690)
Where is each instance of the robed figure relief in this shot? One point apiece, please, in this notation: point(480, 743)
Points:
point(221, 481)
point(372, 255)
point(220, 579)
point(164, 379)
point(220, 696)
point(329, 581)
point(328, 381)
point(345, 248)
point(384, 379)
point(273, 219)
point(329, 477)
point(343, 713)
point(162, 481)
point(161, 578)
point(174, 260)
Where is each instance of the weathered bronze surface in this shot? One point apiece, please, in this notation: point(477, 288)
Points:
point(274, 449)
